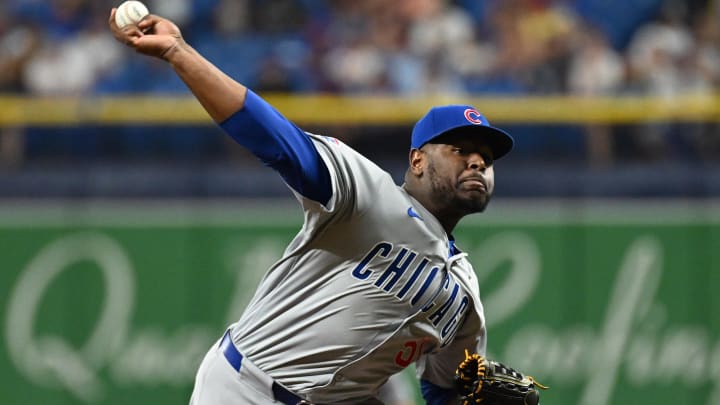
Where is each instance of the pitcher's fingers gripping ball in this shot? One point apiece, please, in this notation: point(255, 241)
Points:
point(130, 13)
point(487, 382)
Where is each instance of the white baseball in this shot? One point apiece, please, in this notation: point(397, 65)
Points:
point(130, 12)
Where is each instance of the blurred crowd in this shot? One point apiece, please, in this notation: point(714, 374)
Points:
point(403, 46)
point(411, 47)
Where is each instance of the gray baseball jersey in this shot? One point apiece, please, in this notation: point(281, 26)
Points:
point(367, 287)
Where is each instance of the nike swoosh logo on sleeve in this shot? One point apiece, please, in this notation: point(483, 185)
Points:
point(412, 214)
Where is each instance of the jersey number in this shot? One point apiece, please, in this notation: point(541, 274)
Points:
point(409, 353)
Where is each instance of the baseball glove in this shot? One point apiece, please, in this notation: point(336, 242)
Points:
point(482, 381)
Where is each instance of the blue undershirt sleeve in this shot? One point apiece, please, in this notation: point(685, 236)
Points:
point(279, 144)
point(435, 395)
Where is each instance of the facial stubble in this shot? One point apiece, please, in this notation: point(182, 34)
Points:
point(446, 194)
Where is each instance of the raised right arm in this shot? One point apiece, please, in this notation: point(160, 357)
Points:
point(246, 117)
point(219, 94)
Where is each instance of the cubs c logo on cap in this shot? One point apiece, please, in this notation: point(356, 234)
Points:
point(473, 116)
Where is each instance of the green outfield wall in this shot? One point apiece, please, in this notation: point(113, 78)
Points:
point(117, 305)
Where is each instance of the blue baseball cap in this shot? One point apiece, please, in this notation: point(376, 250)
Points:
point(444, 119)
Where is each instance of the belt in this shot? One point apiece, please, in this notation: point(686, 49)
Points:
point(235, 358)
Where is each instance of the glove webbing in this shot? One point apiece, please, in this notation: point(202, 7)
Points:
point(472, 372)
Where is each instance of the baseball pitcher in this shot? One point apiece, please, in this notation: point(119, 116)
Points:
point(373, 281)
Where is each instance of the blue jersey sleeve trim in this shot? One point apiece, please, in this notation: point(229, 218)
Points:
point(435, 395)
point(280, 144)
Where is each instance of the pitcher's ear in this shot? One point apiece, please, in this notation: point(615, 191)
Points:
point(417, 161)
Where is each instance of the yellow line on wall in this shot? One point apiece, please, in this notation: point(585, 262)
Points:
point(370, 110)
